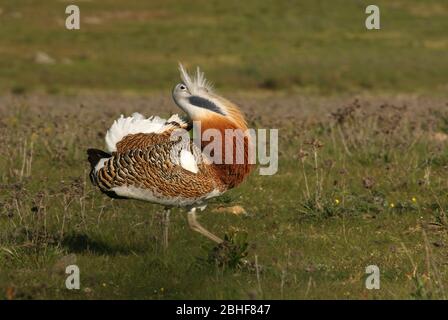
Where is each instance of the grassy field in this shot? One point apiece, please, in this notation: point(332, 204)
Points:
point(359, 183)
point(363, 126)
point(307, 46)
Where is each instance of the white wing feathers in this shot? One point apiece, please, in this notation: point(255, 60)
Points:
point(188, 162)
point(134, 124)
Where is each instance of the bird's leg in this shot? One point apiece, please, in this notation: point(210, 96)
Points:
point(166, 224)
point(194, 224)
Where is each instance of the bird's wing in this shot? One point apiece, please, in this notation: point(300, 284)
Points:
point(137, 132)
point(158, 174)
point(146, 164)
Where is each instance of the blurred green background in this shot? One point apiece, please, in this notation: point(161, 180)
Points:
point(308, 46)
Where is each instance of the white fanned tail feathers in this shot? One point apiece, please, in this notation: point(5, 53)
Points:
point(137, 123)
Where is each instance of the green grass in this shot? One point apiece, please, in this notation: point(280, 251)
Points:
point(310, 46)
point(359, 209)
point(359, 183)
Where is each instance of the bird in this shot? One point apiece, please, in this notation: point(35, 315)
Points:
point(139, 162)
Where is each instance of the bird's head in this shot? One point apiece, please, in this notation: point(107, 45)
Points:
point(195, 96)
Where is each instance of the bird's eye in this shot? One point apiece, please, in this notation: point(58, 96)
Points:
point(182, 87)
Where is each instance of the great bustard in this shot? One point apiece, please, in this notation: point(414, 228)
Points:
point(140, 163)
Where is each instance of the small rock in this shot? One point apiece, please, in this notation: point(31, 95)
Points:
point(88, 290)
point(439, 136)
point(43, 58)
point(236, 210)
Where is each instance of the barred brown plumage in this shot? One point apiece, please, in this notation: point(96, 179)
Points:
point(146, 164)
point(152, 169)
